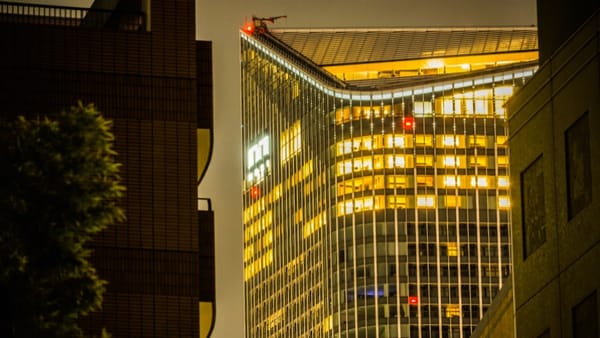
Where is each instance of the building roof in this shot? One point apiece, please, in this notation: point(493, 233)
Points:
point(328, 47)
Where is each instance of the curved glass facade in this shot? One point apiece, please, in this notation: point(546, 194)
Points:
point(372, 213)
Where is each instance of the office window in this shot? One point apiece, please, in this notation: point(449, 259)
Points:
point(479, 181)
point(396, 182)
point(502, 182)
point(477, 141)
point(579, 176)
point(423, 108)
point(478, 161)
point(424, 160)
point(425, 181)
point(393, 141)
point(450, 140)
point(503, 202)
point(427, 201)
point(423, 140)
point(585, 318)
point(451, 161)
point(451, 201)
point(290, 142)
point(451, 181)
point(396, 161)
point(533, 207)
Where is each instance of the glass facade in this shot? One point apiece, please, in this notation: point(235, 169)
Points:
point(372, 213)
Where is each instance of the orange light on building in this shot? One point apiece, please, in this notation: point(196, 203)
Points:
point(413, 300)
point(254, 192)
point(249, 28)
point(408, 123)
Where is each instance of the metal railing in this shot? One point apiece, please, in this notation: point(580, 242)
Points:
point(22, 13)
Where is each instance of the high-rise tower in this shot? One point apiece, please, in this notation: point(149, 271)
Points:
point(376, 177)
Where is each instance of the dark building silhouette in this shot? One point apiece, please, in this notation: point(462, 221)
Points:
point(139, 63)
point(554, 152)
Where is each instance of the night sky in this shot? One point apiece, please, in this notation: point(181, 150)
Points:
point(219, 21)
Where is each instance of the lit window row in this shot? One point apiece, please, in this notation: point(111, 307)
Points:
point(358, 112)
point(290, 142)
point(390, 141)
point(255, 228)
point(403, 181)
point(420, 201)
point(250, 249)
point(376, 162)
point(251, 269)
point(314, 224)
point(481, 102)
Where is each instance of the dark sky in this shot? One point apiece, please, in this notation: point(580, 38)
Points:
point(220, 20)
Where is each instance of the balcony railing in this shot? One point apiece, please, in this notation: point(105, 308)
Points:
point(22, 13)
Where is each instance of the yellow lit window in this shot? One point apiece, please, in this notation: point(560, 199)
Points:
point(501, 140)
point(290, 142)
point(423, 108)
point(342, 114)
point(328, 323)
point(503, 182)
point(478, 141)
point(451, 161)
point(424, 160)
point(452, 310)
point(478, 161)
point(248, 252)
point(397, 201)
point(449, 106)
point(451, 181)
point(365, 163)
point(427, 201)
point(395, 141)
point(425, 180)
point(344, 147)
point(479, 181)
point(452, 201)
point(503, 202)
point(298, 216)
point(502, 161)
point(396, 161)
point(450, 141)
point(344, 167)
point(423, 140)
point(396, 182)
point(452, 249)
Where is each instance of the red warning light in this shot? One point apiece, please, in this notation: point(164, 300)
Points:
point(254, 192)
point(249, 28)
point(413, 300)
point(408, 123)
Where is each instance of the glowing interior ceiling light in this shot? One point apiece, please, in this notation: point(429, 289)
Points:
point(434, 64)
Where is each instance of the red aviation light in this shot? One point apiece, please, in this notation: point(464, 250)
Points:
point(413, 300)
point(249, 27)
point(254, 192)
point(408, 123)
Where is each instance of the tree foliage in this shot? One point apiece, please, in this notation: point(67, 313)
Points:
point(59, 186)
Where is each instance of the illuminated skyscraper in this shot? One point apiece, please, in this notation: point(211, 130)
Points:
point(376, 177)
